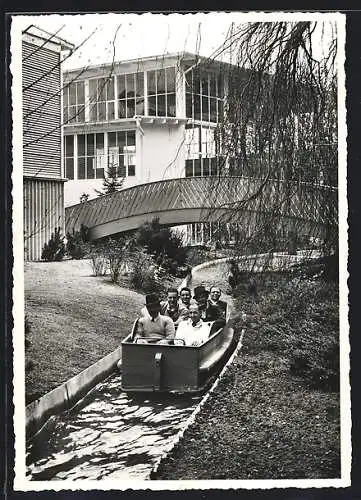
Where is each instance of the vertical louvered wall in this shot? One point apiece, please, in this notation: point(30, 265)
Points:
point(43, 212)
point(41, 112)
point(42, 155)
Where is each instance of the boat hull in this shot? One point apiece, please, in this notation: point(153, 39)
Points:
point(173, 368)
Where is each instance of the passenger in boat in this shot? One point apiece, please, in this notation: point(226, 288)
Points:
point(207, 311)
point(185, 296)
point(214, 301)
point(193, 331)
point(154, 325)
point(171, 307)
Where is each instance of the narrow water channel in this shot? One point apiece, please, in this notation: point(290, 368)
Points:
point(110, 436)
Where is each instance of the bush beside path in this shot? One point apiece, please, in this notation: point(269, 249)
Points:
point(75, 319)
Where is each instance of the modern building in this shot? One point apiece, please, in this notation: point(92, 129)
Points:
point(147, 119)
point(156, 118)
point(43, 175)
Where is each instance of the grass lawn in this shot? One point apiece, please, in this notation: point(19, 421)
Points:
point(75, 318)
point(264, 421)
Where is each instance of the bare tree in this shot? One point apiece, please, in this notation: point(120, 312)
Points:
point(279, 134)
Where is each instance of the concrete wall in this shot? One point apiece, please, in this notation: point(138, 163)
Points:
point(160, 154)
point(163, 152)
point(75, 188)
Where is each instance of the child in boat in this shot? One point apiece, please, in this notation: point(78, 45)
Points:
point(193, 331)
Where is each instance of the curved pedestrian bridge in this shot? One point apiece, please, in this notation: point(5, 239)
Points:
point(195, 199)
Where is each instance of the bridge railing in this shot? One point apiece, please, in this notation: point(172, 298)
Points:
point(192, 198)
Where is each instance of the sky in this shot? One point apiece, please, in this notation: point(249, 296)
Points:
point(148, 34)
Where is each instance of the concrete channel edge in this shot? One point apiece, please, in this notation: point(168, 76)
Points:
point(66, 395)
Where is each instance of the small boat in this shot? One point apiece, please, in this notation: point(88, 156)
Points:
point(152, 367)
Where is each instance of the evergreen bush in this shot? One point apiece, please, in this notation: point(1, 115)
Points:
point(77, 246)
point(165, 245)
point(54, 250)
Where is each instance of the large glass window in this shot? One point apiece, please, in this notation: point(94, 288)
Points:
point(121, 152)
point(204, 96)
point(201, 159)
point(69, 156)
point(74, 103)
point(130, 89)
point(162, 92)
point(91, 157)
point(101, 98)
point(204, 233)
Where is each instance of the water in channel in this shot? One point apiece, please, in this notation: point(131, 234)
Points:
point(110, 435)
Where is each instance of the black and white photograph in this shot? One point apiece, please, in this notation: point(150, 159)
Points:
point(180, 251)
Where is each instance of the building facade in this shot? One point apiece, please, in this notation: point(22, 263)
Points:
point(43, 176)
point(151, 119)
point(147, 119)
point(156, 118)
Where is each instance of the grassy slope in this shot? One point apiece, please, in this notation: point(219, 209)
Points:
point(76, 319)
point(261, 422)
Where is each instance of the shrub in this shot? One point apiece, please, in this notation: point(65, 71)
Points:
point(98, 260)
point(197, 255)
point(111, 255)
point(99, 265)
point(54, 250)
point(116, 252)
point(165, 245)
point(77, 246)
point(145, 274)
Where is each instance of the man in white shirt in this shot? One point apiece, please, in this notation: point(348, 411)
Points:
point(193, 331)
point(154, 325)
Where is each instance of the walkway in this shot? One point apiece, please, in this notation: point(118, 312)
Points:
point(187, 200)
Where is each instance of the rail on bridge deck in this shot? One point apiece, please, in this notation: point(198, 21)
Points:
point(194, 199)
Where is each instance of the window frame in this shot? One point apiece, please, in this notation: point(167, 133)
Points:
point(170, 89)
point(199, 96)
point(101, 100)
point(79, 115)
point(138, 91)
point(96, 157)
point(125, 150)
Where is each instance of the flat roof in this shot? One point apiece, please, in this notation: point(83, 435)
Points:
point(48, 37)
point(181, 56)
